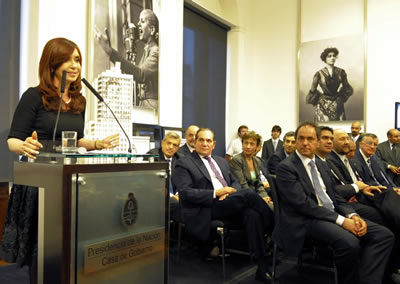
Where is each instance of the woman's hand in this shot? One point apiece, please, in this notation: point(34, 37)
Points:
point(30, 147)
point(111, 141)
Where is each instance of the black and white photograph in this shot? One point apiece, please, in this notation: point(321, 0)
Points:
point(127, 31)
point(331, 79)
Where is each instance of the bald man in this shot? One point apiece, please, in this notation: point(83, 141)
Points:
point(190, 135)
point(389, 153)
point(355, 132)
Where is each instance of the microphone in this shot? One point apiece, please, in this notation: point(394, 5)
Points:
point(93, 90)
point(63, 82)
point(102, 100)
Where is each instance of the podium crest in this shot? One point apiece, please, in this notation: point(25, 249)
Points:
point(129, 211)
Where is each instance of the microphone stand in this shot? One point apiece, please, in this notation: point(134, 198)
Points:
point(100, 98)
point(63, 81)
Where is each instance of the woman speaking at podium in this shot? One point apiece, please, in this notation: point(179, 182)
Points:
point(32, 132)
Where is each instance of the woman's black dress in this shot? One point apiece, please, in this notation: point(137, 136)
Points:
point(19, 242)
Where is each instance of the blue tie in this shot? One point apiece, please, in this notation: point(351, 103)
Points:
point(318, 188)
point(171, 189)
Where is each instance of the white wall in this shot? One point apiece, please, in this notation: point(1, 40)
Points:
point(262, 50)
point(42, 21)
point(262, 58)
point(382, 65)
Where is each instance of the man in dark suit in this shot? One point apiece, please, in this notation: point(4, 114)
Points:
point(208, 190)
point(168, 153)
point(355, 133)
point(388, 201)
point(365, 195)
point(355, 189)
point(189, 136)
point(272, 145)
point(368, 165)
point(353, 148)
point(287, 149)
point(310, 207)
point(389, 153)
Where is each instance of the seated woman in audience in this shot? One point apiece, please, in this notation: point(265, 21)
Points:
point(246, 167)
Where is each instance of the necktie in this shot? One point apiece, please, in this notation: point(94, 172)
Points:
point(370, 169)
point(318, 188)
point(274, 143)
point(350, 170)
point(216, 172)
point(171, 188)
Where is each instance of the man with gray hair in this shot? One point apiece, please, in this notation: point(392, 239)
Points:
point(389, 153)
point(168, 153)
point(372, 172)
point(369, 197)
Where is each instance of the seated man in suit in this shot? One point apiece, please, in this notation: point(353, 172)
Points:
point(369, 166)
point(352, 151)
point(168, 153)
point(208, 190)
point(345, 173)
point(272, 145)
point(389, 153)
point(189, 136)
point(363, 195)
point(310, 207)
point(288, 148)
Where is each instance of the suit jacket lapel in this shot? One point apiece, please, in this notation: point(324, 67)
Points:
point(257, 166)
point(360, 160)
point(396, 157)
point(246, 170)
point(224, 171)
point(325, 175)
point(355, 170)
point(199, 163)
point(303, 175)
point(342, 168)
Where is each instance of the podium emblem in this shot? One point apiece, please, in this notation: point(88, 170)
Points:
point(129, 211)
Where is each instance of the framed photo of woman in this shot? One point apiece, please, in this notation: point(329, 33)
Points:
point(331, 79)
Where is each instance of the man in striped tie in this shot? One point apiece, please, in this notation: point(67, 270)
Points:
point(311, 208)
point(208, 190)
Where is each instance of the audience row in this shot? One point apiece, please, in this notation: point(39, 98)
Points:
point(346, 199)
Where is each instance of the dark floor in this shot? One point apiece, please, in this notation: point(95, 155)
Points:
point(191, 268)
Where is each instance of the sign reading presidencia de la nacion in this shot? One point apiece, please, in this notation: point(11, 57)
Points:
point(106, 254)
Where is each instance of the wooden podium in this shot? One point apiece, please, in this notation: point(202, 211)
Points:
point(102, 219)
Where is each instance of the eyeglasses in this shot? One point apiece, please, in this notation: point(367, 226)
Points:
point(369, 143)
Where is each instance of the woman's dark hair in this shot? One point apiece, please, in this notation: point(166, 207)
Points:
point(326, 51)
point(55, 53)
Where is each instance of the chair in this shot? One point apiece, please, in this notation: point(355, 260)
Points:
point(222, 229)
point(309, 245)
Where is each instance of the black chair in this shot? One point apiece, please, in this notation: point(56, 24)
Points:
point(315, 249)
point(222, 229)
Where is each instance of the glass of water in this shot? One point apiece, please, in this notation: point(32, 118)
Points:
point(68, 141)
